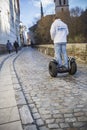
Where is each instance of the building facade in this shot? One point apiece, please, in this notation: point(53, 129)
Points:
point(9, 21)
point(23, 34)
point(61, 6)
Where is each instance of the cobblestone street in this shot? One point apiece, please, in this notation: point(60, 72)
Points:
point(48, 103)
point(55, 103)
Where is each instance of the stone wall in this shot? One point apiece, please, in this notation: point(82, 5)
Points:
point(3, 49)
point(79, 51)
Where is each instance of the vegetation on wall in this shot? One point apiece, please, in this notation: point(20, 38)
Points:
point(76, 21)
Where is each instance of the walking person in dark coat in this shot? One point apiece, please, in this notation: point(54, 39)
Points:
point(16, 46)
point(9, 46)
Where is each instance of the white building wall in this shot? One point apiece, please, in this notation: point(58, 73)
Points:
point(8, 21)
point(4, 25)
point(25, 37)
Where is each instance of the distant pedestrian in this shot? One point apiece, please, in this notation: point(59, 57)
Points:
point(16, 46)
point(9, 46)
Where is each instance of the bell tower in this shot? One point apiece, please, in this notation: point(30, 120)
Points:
point(61, 6)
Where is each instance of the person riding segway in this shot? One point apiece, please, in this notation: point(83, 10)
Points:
point(59, 31)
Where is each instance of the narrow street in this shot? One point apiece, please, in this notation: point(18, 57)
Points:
point(38, 101)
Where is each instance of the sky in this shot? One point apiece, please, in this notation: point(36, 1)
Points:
point(30, 9)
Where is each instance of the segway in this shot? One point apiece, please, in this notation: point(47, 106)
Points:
point(54, 68)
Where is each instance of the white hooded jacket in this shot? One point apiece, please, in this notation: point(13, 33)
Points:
point(59, 31)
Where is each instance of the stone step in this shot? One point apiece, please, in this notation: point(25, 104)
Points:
point(25, 115)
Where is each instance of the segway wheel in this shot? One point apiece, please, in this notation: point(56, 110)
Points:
point(73, 68)
point(53, 68)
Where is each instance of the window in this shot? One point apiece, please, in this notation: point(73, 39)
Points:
point(8, 16)
point(0, 20)
point(12, 18)
point(64, 1)
point(59, 2)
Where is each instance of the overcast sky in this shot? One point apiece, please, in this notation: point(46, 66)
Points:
point(30, 9)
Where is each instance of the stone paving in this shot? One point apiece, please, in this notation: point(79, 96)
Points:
point(55, 103)
point(9, 115)
point(2, 59)
point(30, 99)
